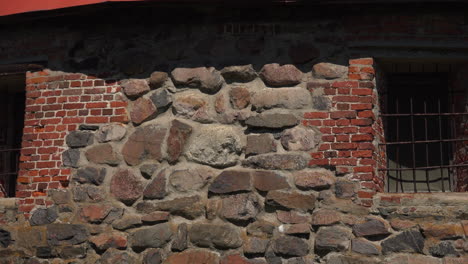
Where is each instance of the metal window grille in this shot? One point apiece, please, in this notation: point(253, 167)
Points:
point(9, 161)
point(420, 137)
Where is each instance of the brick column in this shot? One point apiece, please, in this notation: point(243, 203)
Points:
point(57, 103)
point(349, 128)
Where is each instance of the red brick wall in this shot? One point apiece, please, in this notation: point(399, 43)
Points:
point(57, 103)
point(348, 129)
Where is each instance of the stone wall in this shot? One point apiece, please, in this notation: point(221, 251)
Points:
point(253, 142)
point(229, 166)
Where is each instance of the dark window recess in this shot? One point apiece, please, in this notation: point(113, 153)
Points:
point(420, 122)
point(12, 104)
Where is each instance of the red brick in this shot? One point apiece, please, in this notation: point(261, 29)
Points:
point(118, 104)
point(344, 90)
point(361, 106)
point(324, 147)
point(345, 84)
point(343, 122)
point(362, 91)
point(344, 153)
point(328, 138)
point(315, 115)
point(363, 169)
point(329, 91)
point(364, 194)
point(343, 114)
point(97, 119)
point(343, 106)
point(342, 138)
point(343, 161)
point(362, 153)
point(73, 106)
point(339, 146)
point(366, 114)
point(361, 122)
point(366, 85)
point(364, 137)
point(344, 130)
point(367, 161)
point(363, 61)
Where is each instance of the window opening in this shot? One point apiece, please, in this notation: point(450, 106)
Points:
point(420, 121)
point(12, 107)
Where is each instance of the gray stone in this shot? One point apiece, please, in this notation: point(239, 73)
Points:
point(113, 132)
point(147, 170)
point(408, 241)
point(5, 238)
point(208, 80)
point(90, 175)
point(145, 143)
point(71, 252)
point(115, 256)
point(260, 144)
point(59, 196)
point(126, 187)
point(300, 138)
point(215, 235)
point(290, 246)
point(240, 97)
point(161, 98)
point(240, 207)
point(191, 179)
point(127, 222)
point(335, 258)
point(134, 88)
point(272, 120)
point(371, 228)
point(345, 189)
point(66, 234)
point(302, 229)
point(155, 217)
point(321, 103)
point(79, 139)
point(157, 79)
point(231, 181)
point(88, 127)
point(193, 256)
point(43, 216)
point(261, 228)
point(269, 181)
point(277, 161)
point(192, 105)
point(156, 189)
point(142, 110)
point(188, 207)
point(179, 133)
point(153, 256)
point(291, 200)
point(364, 247)
point(244, 73)
point(70, 158)
point(325, 70)
point(255, 245)
point(152, 237)
point(325, 217)
point(332, 239)
point(443, 249)
point(276, 75)
point(288, 98)
point(103, 154)
point(220, 149)
point(180, 242)
point(317, 179)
